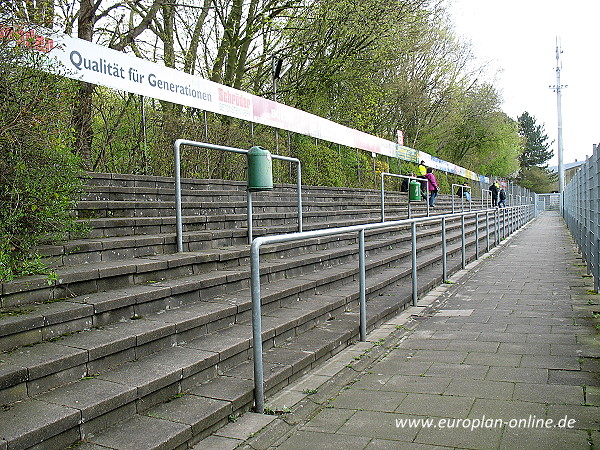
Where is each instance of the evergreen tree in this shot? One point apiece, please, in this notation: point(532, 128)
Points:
point(535, 146)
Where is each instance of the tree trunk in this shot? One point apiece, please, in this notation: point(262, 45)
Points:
point(82, 114)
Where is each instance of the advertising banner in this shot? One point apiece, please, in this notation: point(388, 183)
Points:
point(85, 61)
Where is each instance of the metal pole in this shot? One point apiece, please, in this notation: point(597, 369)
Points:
point(444, 252)
point(476, 235)
point(363, 285)
point(299, 194)
point(462, 241)
point(178, 213)
point(250, 220)
point(383, 200)
point(487, 231)
point(259, 388)
point(414, 262)
point(558, 90)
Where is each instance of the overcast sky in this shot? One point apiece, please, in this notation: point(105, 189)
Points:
point(518, 38)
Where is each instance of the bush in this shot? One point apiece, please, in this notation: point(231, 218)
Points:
point(40, 178)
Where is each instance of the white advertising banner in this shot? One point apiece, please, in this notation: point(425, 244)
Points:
point(85, 61)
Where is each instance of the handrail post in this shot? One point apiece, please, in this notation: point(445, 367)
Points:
point(487, 231)
point(259, 389)
point(362, 285)
point(250, 217)
point(444, 252)
point(414, 262)
point(383, 199)
point(462, 241)
point(476, 235)
point(299, 194)
point(496, 228)
point(178, 212)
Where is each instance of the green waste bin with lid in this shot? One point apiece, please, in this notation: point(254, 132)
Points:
point(260, 169)
point(414, 191)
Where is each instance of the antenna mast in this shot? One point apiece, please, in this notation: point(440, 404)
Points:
point(558, 89)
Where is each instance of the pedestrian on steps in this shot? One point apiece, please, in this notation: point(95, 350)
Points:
point(432, 186)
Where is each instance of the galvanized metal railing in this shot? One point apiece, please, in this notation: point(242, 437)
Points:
point(387, 174)
point(462, 197)
point(581, 210)
point(517, 216)
point(178, 212)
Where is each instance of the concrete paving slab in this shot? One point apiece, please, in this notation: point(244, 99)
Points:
point(245, 426)
point(460, 437)
point(549, 393)
point(384, 444)
point(481, 389)
point(377, 425)
point(329, 420)
point(368, 400)
point(217, 443)
point(524, 439)
point(429, 405)
point(326, 441)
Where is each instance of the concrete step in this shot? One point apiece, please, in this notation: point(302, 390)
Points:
point(120, 264)
point(32, 370)
point(122, 238)
point(198, 281)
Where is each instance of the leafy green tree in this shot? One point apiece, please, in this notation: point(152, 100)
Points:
point(40, 178)
point(538, 179)
point(536, 148)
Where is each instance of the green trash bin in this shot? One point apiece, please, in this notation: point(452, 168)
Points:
point(260, 170)
point(414, 191)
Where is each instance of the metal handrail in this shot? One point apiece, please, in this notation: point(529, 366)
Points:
point(388, 174)
point(524, 212)
point(489, 196)
point(462, 197)
point(178, 213)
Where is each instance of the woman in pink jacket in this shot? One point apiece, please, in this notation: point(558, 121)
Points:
point(432, 186)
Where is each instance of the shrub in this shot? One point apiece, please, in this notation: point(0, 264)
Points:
point(40, 178)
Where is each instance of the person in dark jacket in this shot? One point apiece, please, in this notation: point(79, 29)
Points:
point(494, 191)
point(405, 181)
point(502, 197)
point(463, 191)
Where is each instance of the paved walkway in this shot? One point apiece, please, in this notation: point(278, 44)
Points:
point(508, 357)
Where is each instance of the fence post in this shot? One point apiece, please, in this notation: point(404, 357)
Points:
point(444, 251)
point(476, 235)
point(259, 388)
point(414, 262)
point(487, 231)
point(362, 285)
point(462, 241)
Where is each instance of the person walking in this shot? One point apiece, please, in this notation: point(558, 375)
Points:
point(463, 191)
point(405, 182)
point(494, 191)
point(432, 186)
point(502, 198)
point(421, 172)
